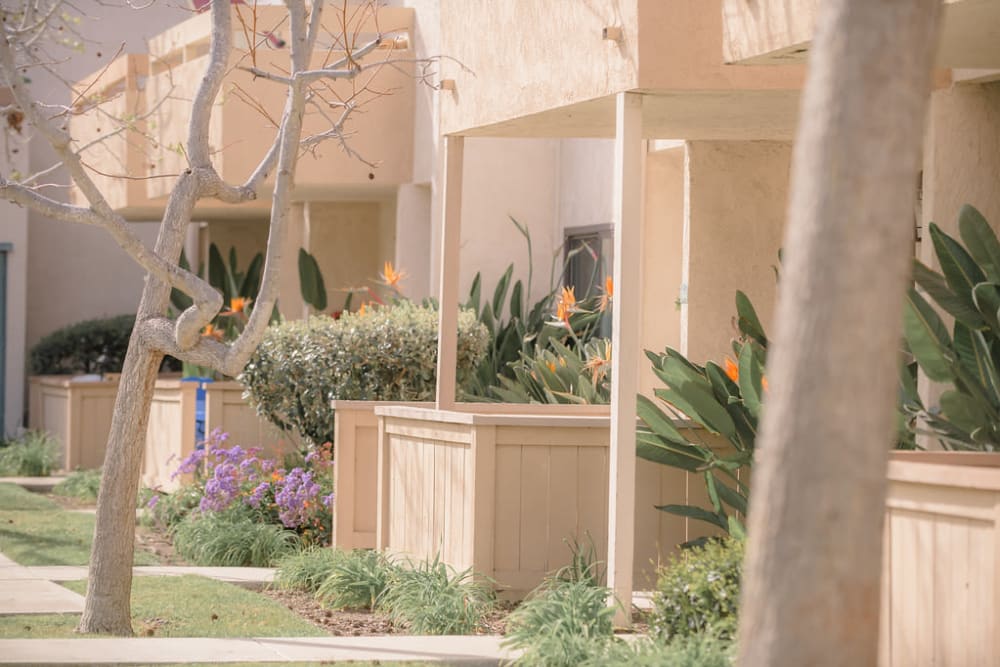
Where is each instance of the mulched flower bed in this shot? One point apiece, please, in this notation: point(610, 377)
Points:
point(360, 623)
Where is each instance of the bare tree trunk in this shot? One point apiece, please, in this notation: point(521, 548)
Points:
point(812, 577)
point(107, 609)
point(109, 583)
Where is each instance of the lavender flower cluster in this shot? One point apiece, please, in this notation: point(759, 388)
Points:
point(237, 475)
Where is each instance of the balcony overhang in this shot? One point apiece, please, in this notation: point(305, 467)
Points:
point(780, 32)
point(719, 115)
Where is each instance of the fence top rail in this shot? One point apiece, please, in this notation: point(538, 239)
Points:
point(512, 415)
point(971, 470)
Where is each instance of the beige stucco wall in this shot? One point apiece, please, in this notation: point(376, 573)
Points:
point(662, 257)
point(502, 178)
point(734, 216)
point(77, 272)
point(413, 239)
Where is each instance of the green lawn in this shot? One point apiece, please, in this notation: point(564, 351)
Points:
point(36, 531)
point(186, 606)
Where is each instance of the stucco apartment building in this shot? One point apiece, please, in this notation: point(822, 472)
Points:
point(532, 88)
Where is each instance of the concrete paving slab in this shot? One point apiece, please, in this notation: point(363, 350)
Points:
point(472, 650)
point(246, 577)
point(35, 596)
point(151, 651)
point(479, 650)
point(36, 484)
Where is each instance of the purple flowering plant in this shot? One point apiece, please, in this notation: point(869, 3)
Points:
point(239, 479)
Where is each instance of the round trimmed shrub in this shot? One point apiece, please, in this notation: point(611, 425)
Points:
point(699, 592)
point(91, 346)
point(388, 353)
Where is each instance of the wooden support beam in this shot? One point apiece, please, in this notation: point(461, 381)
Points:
point(625, 349)
point(451, 235)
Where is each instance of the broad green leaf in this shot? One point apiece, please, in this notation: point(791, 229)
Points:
point(217, 273)
point(250, 285)
point(500, 293)
point(652, 448)
point(516, 300)
point(748, 321)
point(937, 288)
point(736, 528)
point(658, 422)
point(311, 281)
point(713, 493)
point(959, 269)
point(750, 381)
point(981, 241)
point(962, 410)
point(987, 370)
point(731, 497)
point(692, 512)
point(927, 338)
point(986, 296)
point(474, 294)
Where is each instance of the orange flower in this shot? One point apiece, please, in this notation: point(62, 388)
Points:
point(211, 332)
point(608, 294)
point(732, 370)
point(237, 305)
point(566, 305)
point(551, 365)
point(390, 276)
point(598, 365)
point(763, 383)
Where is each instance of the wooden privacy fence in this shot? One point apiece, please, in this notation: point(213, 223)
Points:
point(501, 489)
point(941, 560)
point(355, 472)
point(76, 414)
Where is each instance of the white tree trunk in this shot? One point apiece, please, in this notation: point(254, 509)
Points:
point(812, 577)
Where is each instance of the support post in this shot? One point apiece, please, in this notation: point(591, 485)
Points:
point(625, 349)
point(451, 235)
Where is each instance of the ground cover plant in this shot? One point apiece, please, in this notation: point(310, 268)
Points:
point(33, 454)
point(243, 509)
point(358, 579)
point(80, 484)
point(186, 606)
point(698, 592)
point(36, 531)
point(305, 570)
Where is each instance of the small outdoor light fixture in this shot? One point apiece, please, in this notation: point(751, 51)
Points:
point(448, 84)
point(612, 33)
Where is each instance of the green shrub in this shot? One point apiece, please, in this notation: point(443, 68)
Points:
point(431, 598)
point(167, 510)
point(357, 579)
point(306, 570)
point(91, 346)
point(562, 623)
point(694, 651)
point(82, 484)
point(698, 592)
point(232, 539)
point(386, 353)
point(33, 454)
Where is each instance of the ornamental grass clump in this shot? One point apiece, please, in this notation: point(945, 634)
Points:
point(33, 454)
point(80, 484)
point(232, 538)
point(306, 570)
point(385, 353)
point(431, 598)
point(357, 579)
point(562, 623)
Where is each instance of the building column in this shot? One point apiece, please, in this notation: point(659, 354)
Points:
point(625, 349)
point(451, 235)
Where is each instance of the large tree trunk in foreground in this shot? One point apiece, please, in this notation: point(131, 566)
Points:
point(812, 577)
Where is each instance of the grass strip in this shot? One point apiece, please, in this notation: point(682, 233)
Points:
point(36, 531)
point(187, 606)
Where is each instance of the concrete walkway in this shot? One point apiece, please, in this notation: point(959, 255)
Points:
point(464, 650)
point(253, 578)
point(24, 592)
point(36, 484)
